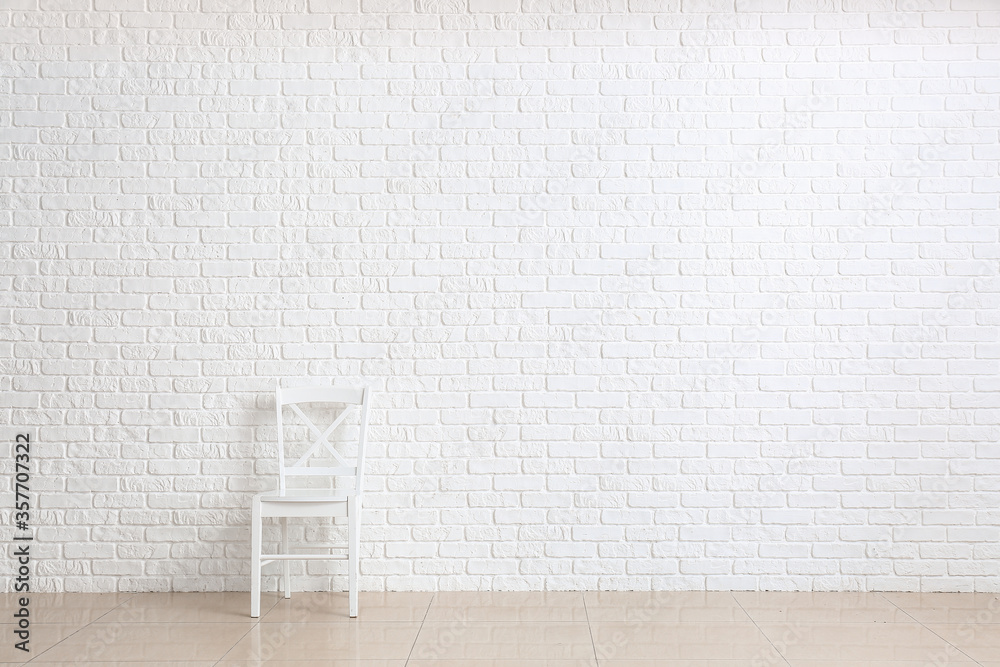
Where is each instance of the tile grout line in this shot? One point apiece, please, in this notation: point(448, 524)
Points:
point(253, 625)
point(590, 628)
point(762, 633)
point(879, 593)
point(81, 628)
point(419, 628)
point(921, 624)
point(241, 638)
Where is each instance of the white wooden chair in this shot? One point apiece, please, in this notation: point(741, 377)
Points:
point(313, 502)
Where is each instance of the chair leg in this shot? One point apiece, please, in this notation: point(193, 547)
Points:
point(353, 547)
point(286, 566)
point(255, 539)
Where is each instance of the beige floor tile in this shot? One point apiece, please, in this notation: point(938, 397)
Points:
point(189, 608)
point(663, 606)
point(848, 642)
point(950, 661)
point(503, 663)
point(278, 662)
point(777, 607)
point(467, 640)
point(508, 606)
point(142, 642)
point(681, 641)
point(775, 661)
point(147, 663)
point(332, 607)
point(512, 629)
point(970, 608)
point(41, 637)
point(69, 608)
point(981, 642)
point(326, 641)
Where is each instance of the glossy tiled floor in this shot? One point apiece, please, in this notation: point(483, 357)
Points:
point(556, 629)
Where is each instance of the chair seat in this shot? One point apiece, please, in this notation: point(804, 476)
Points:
point(307, 495)
point(321, 502)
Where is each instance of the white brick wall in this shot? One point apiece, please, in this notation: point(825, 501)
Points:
point(672, 294)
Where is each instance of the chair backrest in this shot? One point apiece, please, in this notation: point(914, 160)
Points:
point(350, 398)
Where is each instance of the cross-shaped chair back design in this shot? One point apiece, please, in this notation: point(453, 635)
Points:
point(350, 397)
